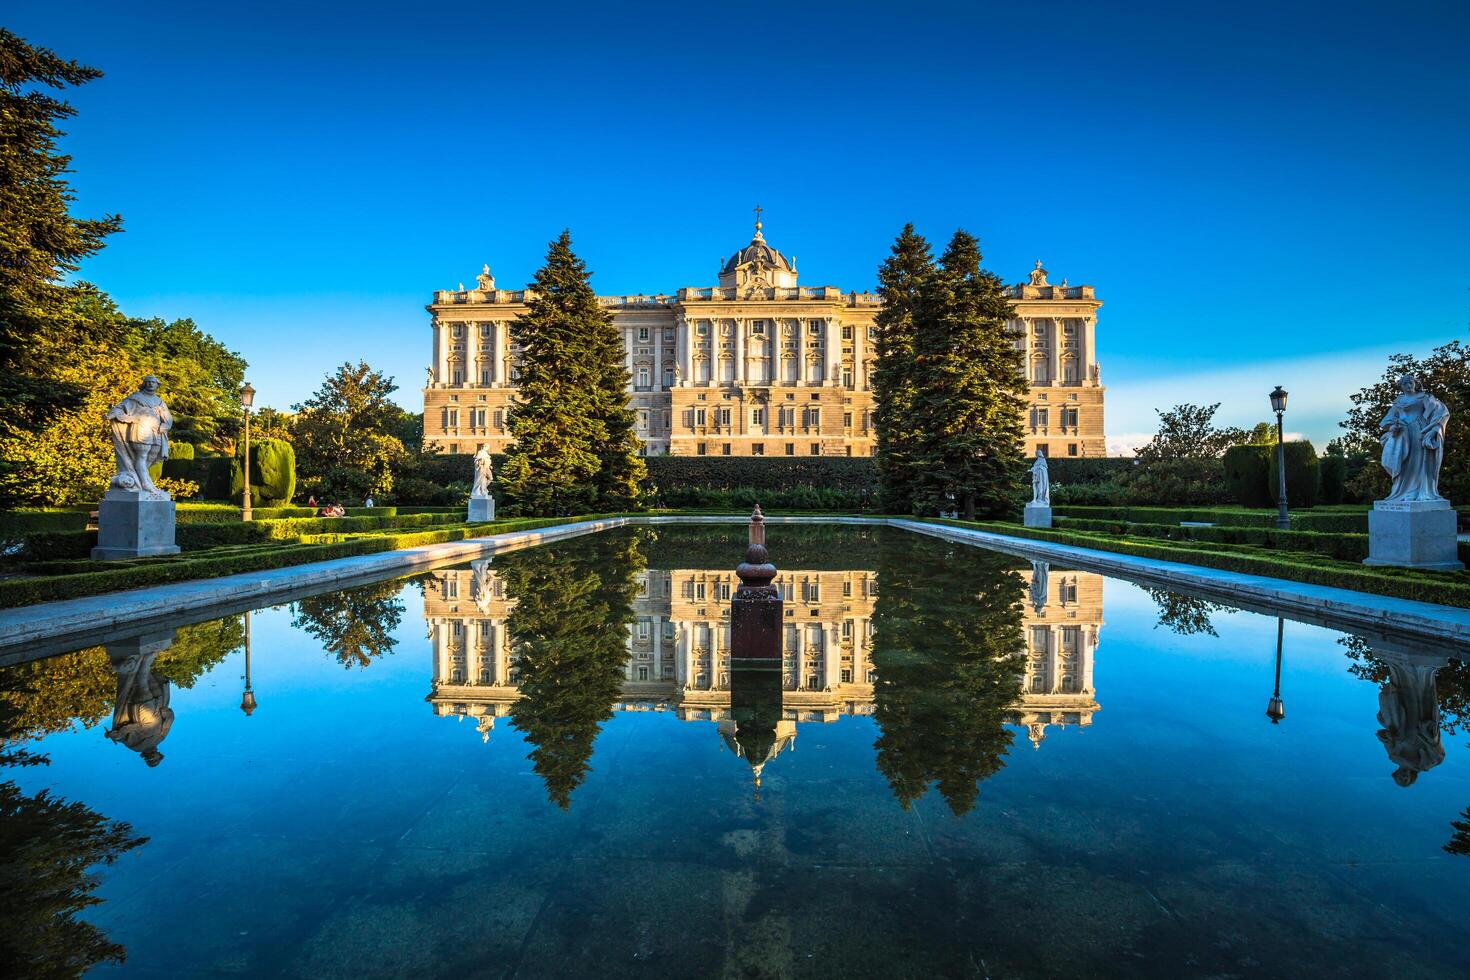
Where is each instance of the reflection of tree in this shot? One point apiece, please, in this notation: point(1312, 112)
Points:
point(1460, 839)
point(354, 625)
point(573, 603)
point(52, 695)
point(48, 847)
point(948, 649)
point(1452, 682)
point(1186, 615)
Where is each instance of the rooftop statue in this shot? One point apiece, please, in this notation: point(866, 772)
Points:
point(140, 426)
point(1413, 442)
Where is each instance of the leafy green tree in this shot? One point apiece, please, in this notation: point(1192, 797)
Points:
point(1445, 374)
point(1186, 615)
point(575, 450)
point(40, 242)
point(201, 375)
point(903, 282)
point(355, 626)
point(343, 435)
point(949, 660)
point(1459, 842)
point(1188, 432)
point(969, 390)
point(568, 632)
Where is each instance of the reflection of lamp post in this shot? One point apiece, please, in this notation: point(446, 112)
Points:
point(1275, 710)
point(247, 700)
point(1278, 405)
point(247, 398)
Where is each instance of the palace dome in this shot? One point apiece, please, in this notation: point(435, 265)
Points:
point(758, 251)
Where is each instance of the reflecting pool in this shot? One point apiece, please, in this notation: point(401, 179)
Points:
point(543, 764)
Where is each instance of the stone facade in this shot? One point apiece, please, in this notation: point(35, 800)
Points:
point(755, 366)
point(679, 647)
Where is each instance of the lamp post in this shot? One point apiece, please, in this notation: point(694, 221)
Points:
point(1278, 405)
point(1275, 710)
point(247, 699)
point(247, 398)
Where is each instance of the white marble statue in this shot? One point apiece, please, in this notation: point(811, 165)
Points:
point(484, 474)
point(1040, 482)
point(140, 425)
point(1413, 442)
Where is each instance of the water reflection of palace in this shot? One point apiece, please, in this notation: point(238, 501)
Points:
point(679, 646)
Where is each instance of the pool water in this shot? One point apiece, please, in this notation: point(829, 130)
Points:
point(544, 765)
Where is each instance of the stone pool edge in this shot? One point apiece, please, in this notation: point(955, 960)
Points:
point(1344, 607)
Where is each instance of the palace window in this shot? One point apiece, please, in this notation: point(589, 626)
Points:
point(499, 417)
point(1040, 372)
point(758, 327)
point(846, 332)
point(642, 419)
point(1071, 449)
point(1042, 449)
point(458, 376)
point(847, 419)
point(759, 449)
point(791, 449)
point(668, 375)
point(451, 418)
point(485, 329)
point(457, 330)
point(727, 369)
point(1069, 417)
point(699, 416)
point(643, 376)
point(758, 416)
point(1069, 371)
point(724, 418)
point(814, 326)
point(813, 417)
point(702, 449)
point(816, 449)
point(847, 377)
point(484, 376)
point(642, 333)
point(724, 449)
point(1039, 418)
point(814, 370)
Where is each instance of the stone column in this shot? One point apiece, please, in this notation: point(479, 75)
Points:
point(832, 658)
point(658, 648)
point(859, 372)
point(1088, 348)
point(739, 327)
point(831, 350)
point(658, 363)
point(681, 657)
point(1055, 353)
point(686, 334)
point(441, 352)
point(471, 354)
point(502, 354)
point(859, 650)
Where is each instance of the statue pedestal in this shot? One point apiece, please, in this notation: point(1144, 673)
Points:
point(1413, 534)
point(1037, 515)
point(481, 509)
point(134, 524)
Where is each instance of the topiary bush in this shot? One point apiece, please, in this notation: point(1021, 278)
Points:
point(272, 473)
point(1332, 479)
point(1301, 475)
point(1246, 469)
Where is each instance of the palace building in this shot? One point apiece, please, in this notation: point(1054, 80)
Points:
point(756, 365)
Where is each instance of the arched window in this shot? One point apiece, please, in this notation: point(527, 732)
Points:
point(701, 370)
point(1040, 371)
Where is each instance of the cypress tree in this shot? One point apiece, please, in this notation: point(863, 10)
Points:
point(969, 390)
point(575, 450)
point(902, 280)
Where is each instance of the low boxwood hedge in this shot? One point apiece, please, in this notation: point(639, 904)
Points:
point(1445, 588)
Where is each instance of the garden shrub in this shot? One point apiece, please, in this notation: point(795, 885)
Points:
point(272, 473)
point(1301, 475)
point(1332, 477)
point(1246, 470)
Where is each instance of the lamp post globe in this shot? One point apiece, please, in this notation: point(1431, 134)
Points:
point(247, 398)
point(1278, 405)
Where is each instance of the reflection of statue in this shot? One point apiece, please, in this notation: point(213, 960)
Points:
point(1408, 710)
point(1039, 572)
point(482, 586)
point(483, 473)
point(141, 716)
point(1413, 444)
point(1040, 482)
point(140, 424)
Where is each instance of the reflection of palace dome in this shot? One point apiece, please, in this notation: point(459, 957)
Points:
point(758, 251)
point(757, 744)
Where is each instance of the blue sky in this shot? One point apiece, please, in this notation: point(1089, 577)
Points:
point(1261, 194)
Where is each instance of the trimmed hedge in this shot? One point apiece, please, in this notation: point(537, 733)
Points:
point(1246, 469)
point(1346, 520)
point(272, 473)
point(1301, 475)
point(27, 590)
point(1335, 544)
point(1332, 479)
point(1446, 588)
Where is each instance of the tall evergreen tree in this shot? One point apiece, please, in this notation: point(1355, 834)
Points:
point(969, 391)
point(902, 281)
point(575, 450)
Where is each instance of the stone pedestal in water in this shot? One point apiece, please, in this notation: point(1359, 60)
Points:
point(134, 524)
point(1413, 534)
point(481, 509)
point(1037, 515)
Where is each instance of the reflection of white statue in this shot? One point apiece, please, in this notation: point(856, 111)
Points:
point(1413, 442)
point(140, 424)
point(1408, 710)
point(141, 716)
point(1040, 482)
point(482, 585)
point(484, 474)
point(1040, 571)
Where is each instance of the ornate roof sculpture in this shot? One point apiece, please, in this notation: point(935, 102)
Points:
point(758, 264)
